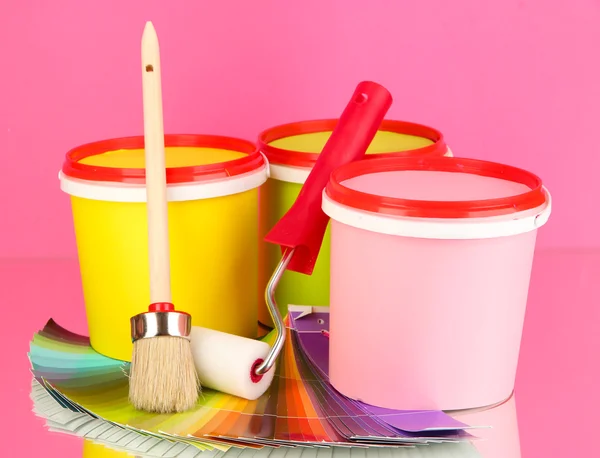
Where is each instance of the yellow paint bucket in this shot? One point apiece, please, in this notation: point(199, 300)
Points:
point(292, 150)
point(213, 229)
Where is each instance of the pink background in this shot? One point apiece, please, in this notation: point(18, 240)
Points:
point(514, 81)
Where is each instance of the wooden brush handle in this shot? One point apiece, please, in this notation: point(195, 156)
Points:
point(156, 182)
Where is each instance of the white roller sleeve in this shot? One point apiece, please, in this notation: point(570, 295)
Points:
point(224, 362)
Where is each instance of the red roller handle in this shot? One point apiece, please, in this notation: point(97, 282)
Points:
point(304, 225)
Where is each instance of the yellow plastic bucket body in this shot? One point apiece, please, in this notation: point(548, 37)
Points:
point(292, 150)
point(213, 255)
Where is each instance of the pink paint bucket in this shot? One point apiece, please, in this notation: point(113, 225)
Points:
point(430, 266)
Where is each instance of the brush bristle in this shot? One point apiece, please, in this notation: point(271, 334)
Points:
point(162, 377)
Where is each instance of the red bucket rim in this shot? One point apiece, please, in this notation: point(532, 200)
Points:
point(294, 158)
point(253, 160)
point(346, 196)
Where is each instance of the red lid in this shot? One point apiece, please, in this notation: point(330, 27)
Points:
point(252, 161)
point(435, 209)
point(301, 159)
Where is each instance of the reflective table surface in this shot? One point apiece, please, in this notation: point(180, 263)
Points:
point(552, 413)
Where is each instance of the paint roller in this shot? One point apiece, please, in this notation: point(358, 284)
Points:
point(245, 367)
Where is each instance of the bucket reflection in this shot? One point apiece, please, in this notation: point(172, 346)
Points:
point(501, 440)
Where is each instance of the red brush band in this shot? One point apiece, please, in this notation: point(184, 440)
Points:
point(253, 375)
point(161, 307)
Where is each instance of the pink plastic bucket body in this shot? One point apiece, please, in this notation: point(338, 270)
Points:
point(429, 291)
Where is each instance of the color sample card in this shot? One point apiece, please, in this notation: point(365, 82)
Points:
point(300, 407)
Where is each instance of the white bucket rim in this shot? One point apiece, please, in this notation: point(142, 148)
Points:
point(440, 228)
point(176, 192)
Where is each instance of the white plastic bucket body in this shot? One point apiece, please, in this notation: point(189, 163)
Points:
point(427, 313)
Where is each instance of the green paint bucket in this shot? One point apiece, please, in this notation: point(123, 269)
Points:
point(292, 150)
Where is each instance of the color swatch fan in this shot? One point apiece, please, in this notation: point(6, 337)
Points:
point(300, 407)
point(100, 433)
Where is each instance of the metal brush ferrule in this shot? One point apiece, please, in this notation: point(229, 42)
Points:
point(155, 324)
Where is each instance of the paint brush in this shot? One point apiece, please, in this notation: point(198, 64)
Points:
point(162, 375)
